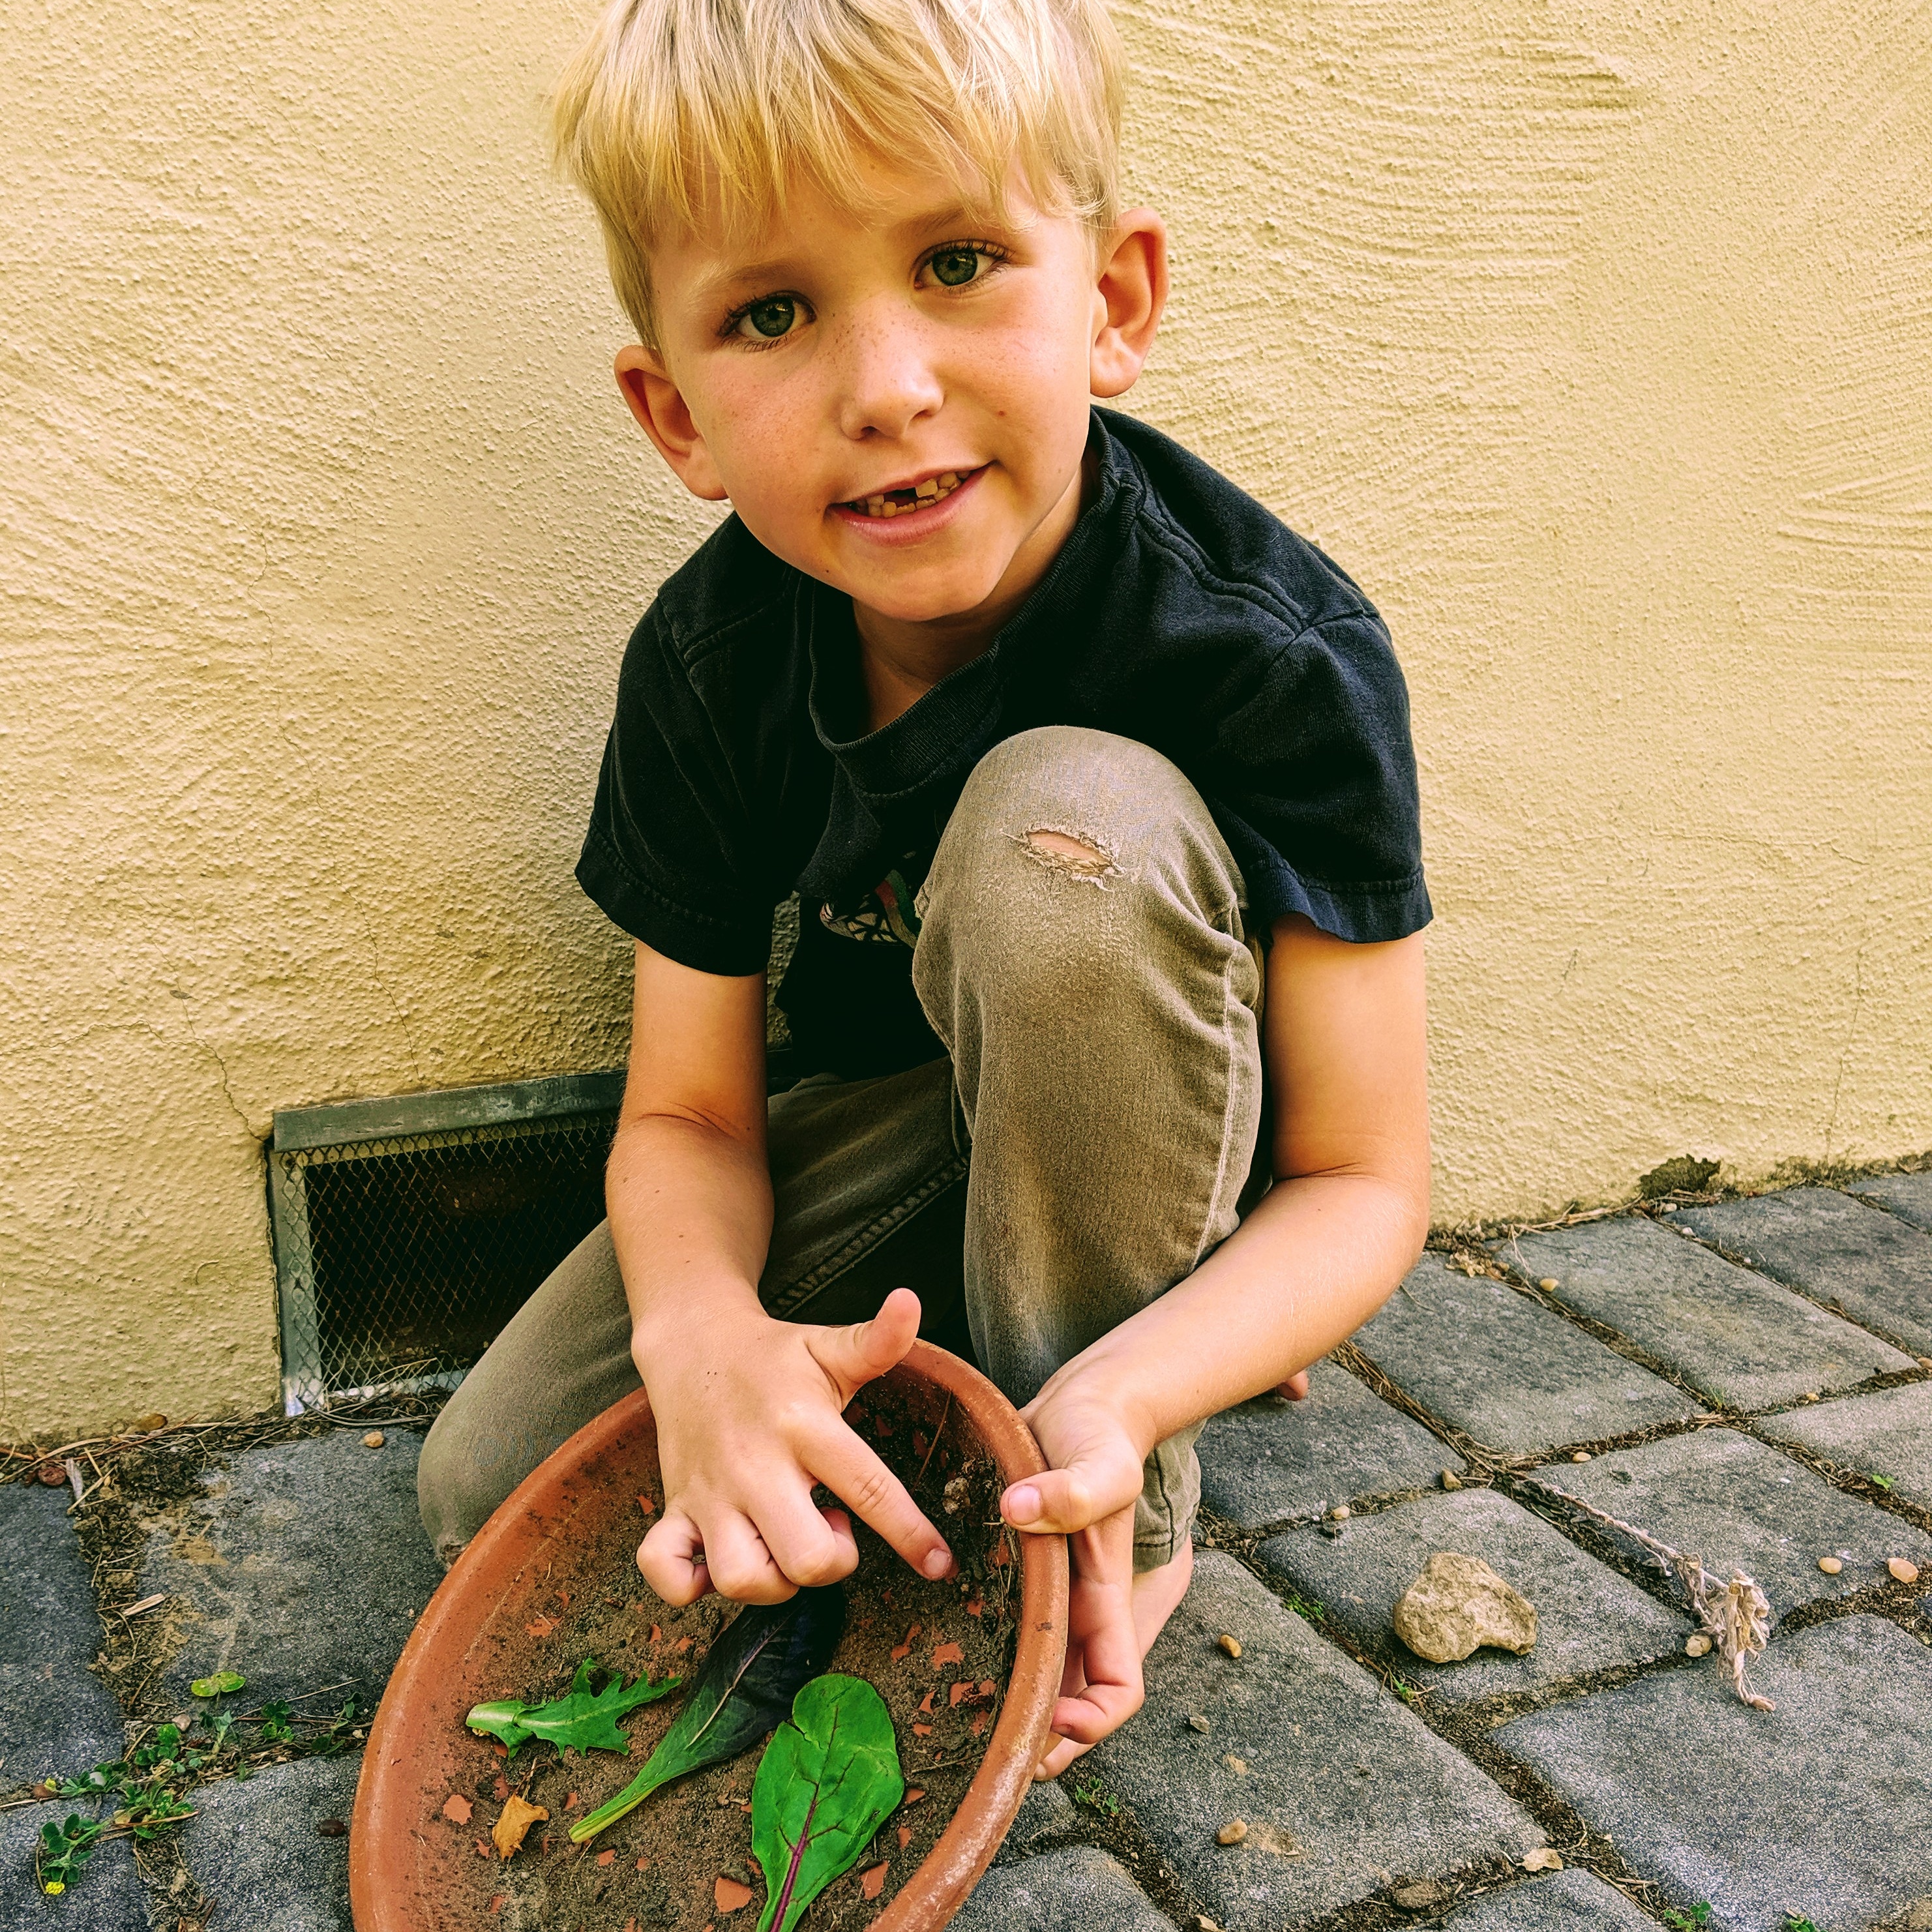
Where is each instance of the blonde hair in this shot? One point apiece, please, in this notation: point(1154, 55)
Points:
point(679, 113)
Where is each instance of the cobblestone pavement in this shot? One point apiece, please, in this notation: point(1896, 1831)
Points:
point(1741, 1379)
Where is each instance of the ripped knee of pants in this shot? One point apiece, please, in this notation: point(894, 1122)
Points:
point(1073, 856)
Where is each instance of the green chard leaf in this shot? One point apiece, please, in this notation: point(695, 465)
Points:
point(583, 1720)
point(755, 1667)
point(829, 1779)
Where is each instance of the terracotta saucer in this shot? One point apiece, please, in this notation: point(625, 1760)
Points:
point(406, 1875)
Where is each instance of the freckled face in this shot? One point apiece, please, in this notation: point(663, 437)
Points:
point(894, 404)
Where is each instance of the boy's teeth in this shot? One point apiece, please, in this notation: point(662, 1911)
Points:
point(901, 502)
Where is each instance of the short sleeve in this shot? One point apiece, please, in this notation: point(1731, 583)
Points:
point(670, 855)
point(1314, 785)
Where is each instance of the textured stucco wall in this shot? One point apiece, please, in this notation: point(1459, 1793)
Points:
point(1594, 339)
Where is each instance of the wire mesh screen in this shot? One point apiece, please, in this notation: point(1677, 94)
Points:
point(400, 1259)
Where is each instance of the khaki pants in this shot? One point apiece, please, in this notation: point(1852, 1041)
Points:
point(1084, 1146)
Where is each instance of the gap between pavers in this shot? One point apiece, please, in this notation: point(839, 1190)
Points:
point(1873, 1265)
point(1564, 1901)
point(1888, 1432)
point(1731, 1501)
point(1821, 1808)
point(1742, 1339)
point(1341, 1783)
point(1588, 1618)
point(56, 1717)
point(255, 1851)
point(1272, 1460)
point(1045, 1812)
point(1079, 1890)
point(1907, 1195)
point(303, 1564)
point(1504, 1369)
point(106, 1896)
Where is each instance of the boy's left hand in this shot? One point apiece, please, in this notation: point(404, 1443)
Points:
point(1089, 1495)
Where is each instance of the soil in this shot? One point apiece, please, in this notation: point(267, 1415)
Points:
point(938, 1653)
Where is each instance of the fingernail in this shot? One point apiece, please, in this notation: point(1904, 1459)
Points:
point(937, 1564)
point(1022, 1504)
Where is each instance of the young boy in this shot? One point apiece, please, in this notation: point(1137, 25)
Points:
point(1095, 784)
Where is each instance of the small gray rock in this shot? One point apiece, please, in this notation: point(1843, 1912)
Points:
point(1457, 1605)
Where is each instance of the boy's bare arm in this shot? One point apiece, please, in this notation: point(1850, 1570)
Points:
point(748, 1409)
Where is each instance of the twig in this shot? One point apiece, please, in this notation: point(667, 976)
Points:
point(945, 1416)
point(1735, 1616)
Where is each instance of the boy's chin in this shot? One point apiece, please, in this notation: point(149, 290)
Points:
point(923, 597)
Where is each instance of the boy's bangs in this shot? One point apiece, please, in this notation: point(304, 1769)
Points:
point(710, 114)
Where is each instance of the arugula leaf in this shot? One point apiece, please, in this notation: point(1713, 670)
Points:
point(828, 1781)
point(755, 1666)
point(581, 1721)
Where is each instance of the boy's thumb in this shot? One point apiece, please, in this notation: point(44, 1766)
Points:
point(860, 1354)
point(1055, 1503)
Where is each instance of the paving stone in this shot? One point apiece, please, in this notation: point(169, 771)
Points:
point(1273, 1461)
point(1907, 1195)
point(1504, 1369)
point(55, 1715)
point(1728, 1501)
point(1741, 1338)
point(304, 1563)
point(255, 1851)
point(1821, 1808)
point(1340, 1779)
point(1888, 1431)
point(1588, 1617)
point(1077, 1890)
point(1871, 1264)
point(1566, 1901)
point(1044, 1812)
point(107, 1895)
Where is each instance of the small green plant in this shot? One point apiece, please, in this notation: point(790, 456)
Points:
point(1872, 1477)
point(1095, 1799)
point(62, 1850)
point(1310, 1607)
point(273, 1719)
point(1695, 1920)
point(1795, 1922)
point(1406, 1691)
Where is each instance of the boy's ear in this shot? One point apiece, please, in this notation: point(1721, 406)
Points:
point(662, 413)
point(1129, 295)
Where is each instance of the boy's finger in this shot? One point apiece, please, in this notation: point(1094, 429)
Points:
point(854, 1474)
point(811, 1547)
point(672, 1558)
point(742, 1567)
point(1059, 1501)
point(854, 1356)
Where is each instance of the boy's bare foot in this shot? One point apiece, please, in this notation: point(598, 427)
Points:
point(1157, 1595)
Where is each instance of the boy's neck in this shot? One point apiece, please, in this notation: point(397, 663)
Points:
point(901, 659)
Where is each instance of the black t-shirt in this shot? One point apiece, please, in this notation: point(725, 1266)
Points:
point(1180, 612)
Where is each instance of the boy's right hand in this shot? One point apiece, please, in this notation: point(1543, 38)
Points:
point(749, 1413)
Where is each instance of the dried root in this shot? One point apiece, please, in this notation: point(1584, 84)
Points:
point(1735, 1616)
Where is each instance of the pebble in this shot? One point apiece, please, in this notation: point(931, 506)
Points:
point(1830, 1565)
point(1232, 1832)
point(1340, 1513)
point(1925, 1361)
point(1238, 1766)
point(1904, 1572)
point(1458, 1604)
point(1699, 1645)
point(1450, 1480)
point(1581, 1456)
point(1548, 1283)
point(373, 1440)
point(1231, 1645)
point(1198, 1723)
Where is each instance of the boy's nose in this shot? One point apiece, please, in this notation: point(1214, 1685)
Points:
point(886, 380)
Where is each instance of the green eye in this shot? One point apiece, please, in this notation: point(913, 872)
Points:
point(772, 317)
point(956, 267)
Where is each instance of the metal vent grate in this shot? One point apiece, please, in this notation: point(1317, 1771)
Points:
point(408, 1231)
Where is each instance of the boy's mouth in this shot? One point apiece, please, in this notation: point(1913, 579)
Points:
point(919, 495)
